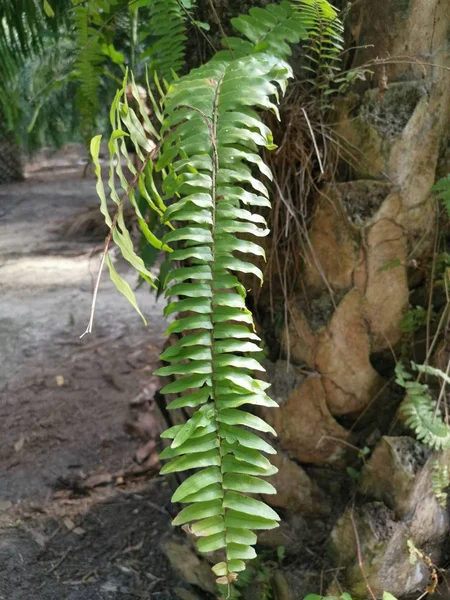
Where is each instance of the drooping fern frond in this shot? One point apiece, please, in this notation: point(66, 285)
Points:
point(213, 134)
point(420, 410)
point(440, 481)
point(211, 176)
point(442, 189)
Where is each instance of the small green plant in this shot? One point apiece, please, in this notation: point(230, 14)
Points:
point(440, 481)
point(413, 319)
point(422, 412)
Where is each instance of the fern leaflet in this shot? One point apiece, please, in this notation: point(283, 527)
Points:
point(420, 410)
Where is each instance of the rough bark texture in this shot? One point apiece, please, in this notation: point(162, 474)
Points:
point(366, 234)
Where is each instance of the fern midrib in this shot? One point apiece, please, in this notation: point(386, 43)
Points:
point(215, 170)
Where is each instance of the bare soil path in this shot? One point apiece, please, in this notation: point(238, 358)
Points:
point(64, 402)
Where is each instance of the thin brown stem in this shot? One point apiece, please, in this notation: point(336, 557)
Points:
point(430, 296)
point(360, 557)
point(124, 198)
point(219, 23)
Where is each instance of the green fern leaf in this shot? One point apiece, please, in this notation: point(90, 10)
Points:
point(213, 172)
point(167, 24)
point(420, 410)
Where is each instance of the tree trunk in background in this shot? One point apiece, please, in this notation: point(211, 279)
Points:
point(11, 165)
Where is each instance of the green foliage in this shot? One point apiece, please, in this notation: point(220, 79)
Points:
point(325, 34)
point(413, 319)
point(126, 125)
point(80, 53)
point(440, 481)
point(21, 25)
point(203, 175)
point(269, 30)
point(442, 190)
point(211, 136)
point(167, 24)
point(88, 64)
point(420, 409)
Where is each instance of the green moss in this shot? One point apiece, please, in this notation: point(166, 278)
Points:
point(402, 6)
point(390, 115)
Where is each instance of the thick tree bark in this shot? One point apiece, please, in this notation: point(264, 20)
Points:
point(371, 239)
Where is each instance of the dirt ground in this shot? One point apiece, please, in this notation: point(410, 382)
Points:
point(63, 405)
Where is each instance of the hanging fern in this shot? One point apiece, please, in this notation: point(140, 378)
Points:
point(206, 158)
point(420, 410)
point(212, 135)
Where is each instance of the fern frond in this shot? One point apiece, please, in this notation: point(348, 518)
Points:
point(88, 67)
point(275, 27)
point(420, 410)
point(431, 371)
point(270, 30)
point(126, 125)
point(212, 137)
point(168, 25)
point(325, 31)
point(211, 175)
point(442, 189)
point(326, 42)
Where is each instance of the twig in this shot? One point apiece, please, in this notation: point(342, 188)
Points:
point(340, 441)
point(360, 558)
point(61, 560)
point(430, 296)
point(219, 23)
point(130, 187)
point(192, 20)
point(314, 140)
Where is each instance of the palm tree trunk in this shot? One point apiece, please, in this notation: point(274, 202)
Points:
point(11, 159)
